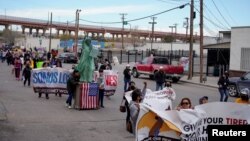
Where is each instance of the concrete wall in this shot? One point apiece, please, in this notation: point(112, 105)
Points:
point(240, 38)
point(32, 42)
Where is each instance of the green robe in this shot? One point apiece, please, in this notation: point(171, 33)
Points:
point(86, 65)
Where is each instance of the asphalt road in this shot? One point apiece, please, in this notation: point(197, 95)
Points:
point(30, 118)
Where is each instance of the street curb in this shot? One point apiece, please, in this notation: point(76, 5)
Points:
point(200, 84)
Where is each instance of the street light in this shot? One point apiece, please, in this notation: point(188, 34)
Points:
point(171, 50)
point(77, 29)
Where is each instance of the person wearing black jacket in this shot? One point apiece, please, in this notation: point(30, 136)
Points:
point(71, 86)
point(160, 79)
point(223, 83)
point(127, 76)
point(27, 73)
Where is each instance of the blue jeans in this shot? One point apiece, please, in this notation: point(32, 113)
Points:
point(126, 83)
point(223, 92)
point(69, 100)
point(101, 95)
point(159, 86)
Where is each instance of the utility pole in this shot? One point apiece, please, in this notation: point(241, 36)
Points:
point(171, 50)
point(123, 18)
point(67, 28)
point(175, 26)
point(187, 25)
point(201, 41)
point(190, 73)
point(50, 30)
point(77, 29)
point(153, 27)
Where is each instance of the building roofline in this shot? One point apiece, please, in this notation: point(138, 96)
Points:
point(208, 45)
point(241, 27)
point(224, 31)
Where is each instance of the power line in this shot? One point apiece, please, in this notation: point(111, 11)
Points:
point(214, 15)
point(137, 19)
point(169, 2)
point(100, 22)
point(211, 32)
point(220, 13)
point(228, 12)
point(212, 21)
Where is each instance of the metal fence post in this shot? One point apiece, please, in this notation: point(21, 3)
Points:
point(121, 58)
point(128, 57)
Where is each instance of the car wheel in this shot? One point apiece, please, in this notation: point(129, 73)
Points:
point(135, 73)
point(232, 91)
point(175, 80)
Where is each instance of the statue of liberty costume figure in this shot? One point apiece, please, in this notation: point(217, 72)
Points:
point(86, 65)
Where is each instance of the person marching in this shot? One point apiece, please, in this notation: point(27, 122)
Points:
point(71, 87)
point(127, 76)
point(160, 79)
point(17, 66)
point(27, 73)
point(100, 81)
point(223, 83)
point(45, 65)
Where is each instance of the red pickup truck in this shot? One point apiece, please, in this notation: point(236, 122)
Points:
point(150, 65)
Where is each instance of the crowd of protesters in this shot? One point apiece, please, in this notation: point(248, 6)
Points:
point(23, 61)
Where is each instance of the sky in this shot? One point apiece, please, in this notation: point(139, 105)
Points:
point(219, 15)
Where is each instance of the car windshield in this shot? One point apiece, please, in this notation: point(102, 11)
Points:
point(247, 76)
point(160, 61)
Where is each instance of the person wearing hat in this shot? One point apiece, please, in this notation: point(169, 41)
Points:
point(203, 100)
point(244, 96)
point(127, 76)
point(160, 79)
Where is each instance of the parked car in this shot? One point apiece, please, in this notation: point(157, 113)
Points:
point(132, 52)
point(150, 65)
point(236, 84)
point(68, 57)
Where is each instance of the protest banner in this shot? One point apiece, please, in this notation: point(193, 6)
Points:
point(188, 124)
point(160, 100)
point(96, 75)
point(50, 80)
point(110, 81)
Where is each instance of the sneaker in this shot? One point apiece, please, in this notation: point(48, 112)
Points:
point(70, 107)
point(66, 105)
point(102, 106)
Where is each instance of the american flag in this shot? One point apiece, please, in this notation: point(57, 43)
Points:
point(89, 96)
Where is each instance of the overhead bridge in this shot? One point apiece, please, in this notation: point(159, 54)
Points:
point(45, 25)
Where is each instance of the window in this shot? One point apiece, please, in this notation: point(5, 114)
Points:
point(247, 76)
point(245, 61)
point(160, 61)
point(145, 60)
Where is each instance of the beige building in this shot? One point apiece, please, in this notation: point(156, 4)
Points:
point(240, 50)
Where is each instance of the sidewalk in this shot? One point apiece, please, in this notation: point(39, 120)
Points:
point(211, 81)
